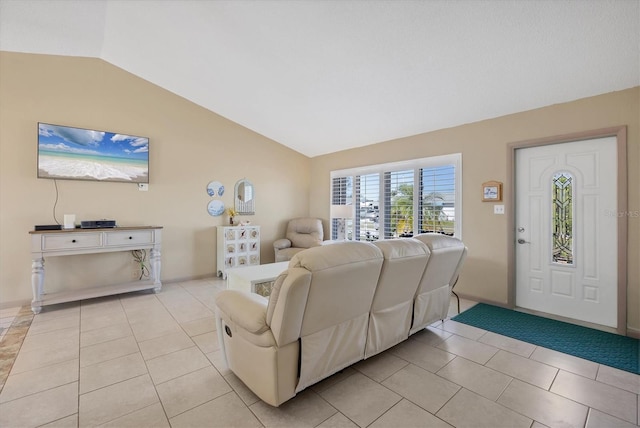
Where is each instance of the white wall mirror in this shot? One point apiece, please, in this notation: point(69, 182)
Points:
point(245, 198)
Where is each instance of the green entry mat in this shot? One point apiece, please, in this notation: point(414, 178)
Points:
point(598, 346)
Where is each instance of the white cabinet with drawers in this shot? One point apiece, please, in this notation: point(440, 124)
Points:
point(90, 241)
point(238, 246)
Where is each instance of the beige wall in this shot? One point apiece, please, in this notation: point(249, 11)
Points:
point(484, 157)
point(189, 146)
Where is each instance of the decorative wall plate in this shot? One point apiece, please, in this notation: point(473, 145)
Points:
point(215, 188)
point(215, 208)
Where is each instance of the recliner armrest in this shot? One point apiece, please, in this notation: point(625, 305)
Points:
point(281, 244)
point(247, 310)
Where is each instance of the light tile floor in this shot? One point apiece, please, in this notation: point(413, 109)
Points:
point(141, 359)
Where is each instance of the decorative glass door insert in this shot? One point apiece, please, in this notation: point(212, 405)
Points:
point(562, 218)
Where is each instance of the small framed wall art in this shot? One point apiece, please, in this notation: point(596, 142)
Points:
point(215, 207)
point(492, 191)
point(215, 188)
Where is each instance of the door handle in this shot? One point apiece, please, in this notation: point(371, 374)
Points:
point(522, 241)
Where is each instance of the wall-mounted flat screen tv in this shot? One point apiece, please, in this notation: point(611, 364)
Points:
point(71, 153)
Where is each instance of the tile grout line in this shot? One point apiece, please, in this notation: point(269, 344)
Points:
point(24, 330)
point(232, 389)
point(124, 380)
point(145, 361)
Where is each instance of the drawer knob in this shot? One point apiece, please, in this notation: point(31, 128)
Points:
point(131, 237)
point(73, 240)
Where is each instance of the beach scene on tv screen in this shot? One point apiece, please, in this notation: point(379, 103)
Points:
point(83, 154)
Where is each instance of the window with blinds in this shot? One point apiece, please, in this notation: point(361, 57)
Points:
point(341, 194)
point(398, 203)
point(400, 199)
point(437, 200)
point(367, 221)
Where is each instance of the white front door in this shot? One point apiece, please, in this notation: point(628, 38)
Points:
point(566, 230)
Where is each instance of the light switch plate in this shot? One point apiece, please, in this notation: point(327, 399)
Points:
point(498, 209)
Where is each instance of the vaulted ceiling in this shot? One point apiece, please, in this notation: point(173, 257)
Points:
point(321, 76)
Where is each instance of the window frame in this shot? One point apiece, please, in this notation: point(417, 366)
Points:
point(416, 165)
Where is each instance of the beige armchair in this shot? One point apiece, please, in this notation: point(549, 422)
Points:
point(302, 233)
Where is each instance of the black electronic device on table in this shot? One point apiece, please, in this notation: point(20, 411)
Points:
point(97, 224)
point(48, 227)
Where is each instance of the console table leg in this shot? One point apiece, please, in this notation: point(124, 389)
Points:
point(37, 283)
point(156, 265)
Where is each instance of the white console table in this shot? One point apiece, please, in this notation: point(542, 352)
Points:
point(49, 243)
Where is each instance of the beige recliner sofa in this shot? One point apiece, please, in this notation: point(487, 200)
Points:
point(392, 308)
point(335, 305)
point(446, 257)
point(302, 233)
